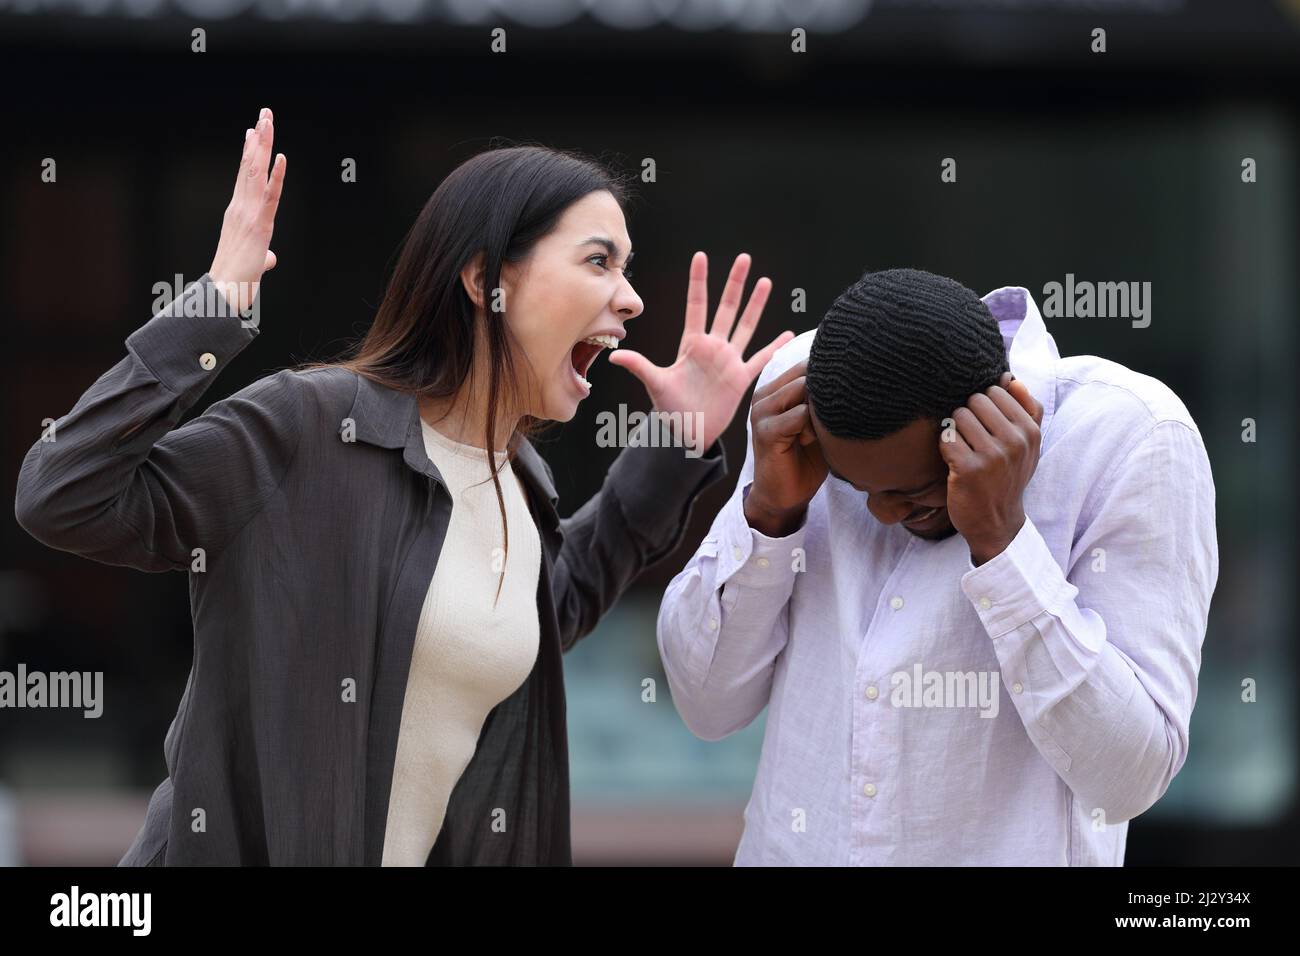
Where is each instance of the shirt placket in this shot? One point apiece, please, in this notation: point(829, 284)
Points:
point(873, 769)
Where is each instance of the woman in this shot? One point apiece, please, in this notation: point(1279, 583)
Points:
point(379, 602)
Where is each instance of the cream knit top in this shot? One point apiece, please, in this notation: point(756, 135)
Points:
point(468, 655)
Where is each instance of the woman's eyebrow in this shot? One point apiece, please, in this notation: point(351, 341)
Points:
point(609, 246)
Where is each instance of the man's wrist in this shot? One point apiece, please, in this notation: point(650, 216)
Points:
point(773, 522)
point(989, 547)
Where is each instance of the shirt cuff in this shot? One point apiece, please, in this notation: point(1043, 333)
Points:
point(192, 339)
point(749, 558)
point(1017, 585)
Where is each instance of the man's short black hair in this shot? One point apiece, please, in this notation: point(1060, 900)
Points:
point(898, 345)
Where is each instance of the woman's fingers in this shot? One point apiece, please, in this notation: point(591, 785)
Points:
point(731, 294)
point(697, 294)
point(271, 197)
point(246, 165)
point(244, 161)
point(262, 139)
point(753, 312)
point(759, 359)
point(252, 168)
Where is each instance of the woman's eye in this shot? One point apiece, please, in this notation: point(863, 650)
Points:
point(627, 273)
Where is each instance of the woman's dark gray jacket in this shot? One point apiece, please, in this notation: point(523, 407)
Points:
point(309, 518)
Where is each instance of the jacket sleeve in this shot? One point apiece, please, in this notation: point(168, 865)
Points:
point(638, 517)
point(115, 481)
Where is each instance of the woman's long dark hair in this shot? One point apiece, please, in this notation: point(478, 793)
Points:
point(499, 203)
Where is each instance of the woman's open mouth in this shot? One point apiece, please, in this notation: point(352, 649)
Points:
point(584, 353)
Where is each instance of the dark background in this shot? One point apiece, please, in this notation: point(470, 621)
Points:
point(1122, 166)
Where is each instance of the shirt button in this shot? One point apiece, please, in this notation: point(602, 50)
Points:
point(713, 624)
point(208, 361)
point(896, 602)
point(762, 562)
point(985, 603)
point(735, 553)
point(872, 693)
point(869, 789)
point(1017, 687)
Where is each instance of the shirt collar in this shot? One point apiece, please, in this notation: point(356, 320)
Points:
point(390, 418)
point(1031, 350)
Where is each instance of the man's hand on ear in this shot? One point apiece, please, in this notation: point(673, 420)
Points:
point(991, 450)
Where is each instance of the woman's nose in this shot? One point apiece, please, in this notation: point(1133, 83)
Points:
point(626, 302)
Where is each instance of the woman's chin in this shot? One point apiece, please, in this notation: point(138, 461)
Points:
point(561, 408)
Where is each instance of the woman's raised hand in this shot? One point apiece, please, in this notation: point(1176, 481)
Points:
point(243, 252)
point(711, 374)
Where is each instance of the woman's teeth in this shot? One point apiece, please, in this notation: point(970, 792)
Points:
point(602, 341)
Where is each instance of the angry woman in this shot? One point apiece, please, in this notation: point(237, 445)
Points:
point(381, 585)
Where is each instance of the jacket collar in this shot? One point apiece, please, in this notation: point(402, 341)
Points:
point(390, 418)
point(1031, 350)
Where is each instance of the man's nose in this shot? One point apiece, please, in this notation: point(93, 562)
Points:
point(890, 510)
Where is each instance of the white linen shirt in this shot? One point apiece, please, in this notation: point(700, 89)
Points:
point(871, 646)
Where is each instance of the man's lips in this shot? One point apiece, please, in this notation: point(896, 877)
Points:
point(923, 517)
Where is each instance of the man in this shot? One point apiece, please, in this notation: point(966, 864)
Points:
point(974, 604)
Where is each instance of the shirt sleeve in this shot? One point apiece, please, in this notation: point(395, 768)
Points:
point(115, 480)
point(1102, 663)
point(724, 618)
point(638, 517)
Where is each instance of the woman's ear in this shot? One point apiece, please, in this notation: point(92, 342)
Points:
point(471, 277)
